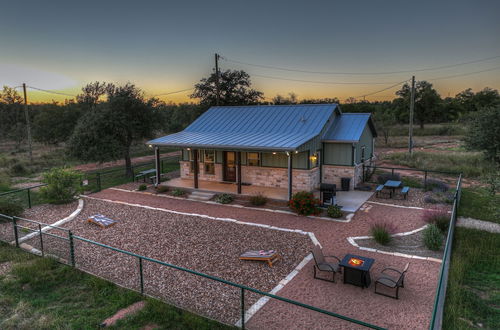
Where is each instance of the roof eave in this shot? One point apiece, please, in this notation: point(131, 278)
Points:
point(222, 147)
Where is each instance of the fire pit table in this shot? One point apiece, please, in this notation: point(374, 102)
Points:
point(357, 270)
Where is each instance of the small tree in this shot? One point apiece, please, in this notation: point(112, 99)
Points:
point(62, 185)
point(484, 133)
point(385, 120)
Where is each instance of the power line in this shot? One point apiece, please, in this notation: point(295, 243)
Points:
point(362, 73)
point(183, 90)
point(376, 92)
point(323, 82)
point(50, 91)
point(465, 74)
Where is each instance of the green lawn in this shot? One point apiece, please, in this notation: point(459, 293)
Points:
point(477, 203)
point(39, 293)
point(473, 294)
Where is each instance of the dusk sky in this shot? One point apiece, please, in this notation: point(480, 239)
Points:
point(166, 46)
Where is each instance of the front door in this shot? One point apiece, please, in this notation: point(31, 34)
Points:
point(229, 166)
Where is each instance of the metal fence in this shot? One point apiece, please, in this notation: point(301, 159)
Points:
point(80, 252)
point(94, 181)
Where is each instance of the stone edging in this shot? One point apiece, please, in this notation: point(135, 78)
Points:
point(348, 217)
point(57, 223)
point(262, 301)
point(352, 241)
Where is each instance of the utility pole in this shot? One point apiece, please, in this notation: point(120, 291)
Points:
point(412, 109)
point(217, 79)
point(28, 124)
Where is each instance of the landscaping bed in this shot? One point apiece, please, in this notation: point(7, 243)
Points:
point(201, 244)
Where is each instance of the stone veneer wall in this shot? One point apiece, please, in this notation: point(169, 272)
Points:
point(333, 173)
point(262, 176)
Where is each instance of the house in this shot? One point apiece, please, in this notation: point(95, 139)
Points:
point(295, 147)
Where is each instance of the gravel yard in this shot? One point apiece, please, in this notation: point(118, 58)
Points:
point(204, 245)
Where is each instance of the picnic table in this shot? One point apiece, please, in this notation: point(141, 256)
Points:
point(392, 184)
point(143, 174)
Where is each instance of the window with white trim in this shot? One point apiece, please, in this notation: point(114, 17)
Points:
point(209, 162)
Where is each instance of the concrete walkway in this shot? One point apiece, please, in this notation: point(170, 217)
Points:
point(488, 226)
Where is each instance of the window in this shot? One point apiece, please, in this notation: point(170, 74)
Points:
point(253, 159)
point(362, 154)
point(209, 158)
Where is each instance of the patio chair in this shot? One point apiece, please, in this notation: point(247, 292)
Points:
point(322, 265)
point(392, 281)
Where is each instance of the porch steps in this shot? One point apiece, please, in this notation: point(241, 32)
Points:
point(201, 196)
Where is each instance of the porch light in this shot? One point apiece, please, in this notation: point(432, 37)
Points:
point(274, 153)
point(313, 158)
point(150, 145)
point(188, 149)
point(296, 151)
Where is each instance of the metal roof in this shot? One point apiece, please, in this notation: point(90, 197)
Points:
point(348, 127)
point(271, 127)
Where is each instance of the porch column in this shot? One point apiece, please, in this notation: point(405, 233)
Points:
point(157, 165)
point(290, 175)
point(195, 167)
point(238, 169)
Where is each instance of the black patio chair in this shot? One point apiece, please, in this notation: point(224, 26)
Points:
point(322, 265)
point(392, 281)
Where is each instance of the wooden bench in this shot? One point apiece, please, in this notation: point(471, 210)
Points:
point(405, 191)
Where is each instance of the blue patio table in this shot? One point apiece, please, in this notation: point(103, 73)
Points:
point(357, 270)
point(144, 173)
point(392, 184)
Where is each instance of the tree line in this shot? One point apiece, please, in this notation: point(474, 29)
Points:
point(105, 119)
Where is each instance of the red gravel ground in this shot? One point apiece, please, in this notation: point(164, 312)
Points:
point(413, 309)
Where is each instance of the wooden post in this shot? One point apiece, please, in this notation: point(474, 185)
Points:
point(238, 174)
point(195, 168)
point(290, 172)
point(158, 166)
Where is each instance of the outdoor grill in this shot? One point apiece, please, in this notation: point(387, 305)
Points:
point(328, 193)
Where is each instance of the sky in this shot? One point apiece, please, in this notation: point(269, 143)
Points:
point(167, 46)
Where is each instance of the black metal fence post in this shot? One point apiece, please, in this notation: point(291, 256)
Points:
point(29, 198)
point(392, 173)
point(98, 179)
point(16, 234)
point(141, 276)
point(425, 180)
point(242, 308)
point(41, 238)
point(363, 172)
point(71, 249)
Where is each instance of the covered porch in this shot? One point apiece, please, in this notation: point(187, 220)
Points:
point(349, 200)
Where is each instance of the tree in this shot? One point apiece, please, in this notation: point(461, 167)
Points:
point(427, 101)
point(107, 131)
point(55, 123)
point(91, 93)
point(484, 133)
point(235, 89)
point(385, 121)
point(291, 99)
point(472, 102)
point(13, 121)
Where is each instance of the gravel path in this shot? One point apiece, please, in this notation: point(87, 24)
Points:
point(203, 245)
point(413, 309)
point(478, 224)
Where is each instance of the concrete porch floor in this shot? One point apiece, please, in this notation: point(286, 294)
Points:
point(349, 200)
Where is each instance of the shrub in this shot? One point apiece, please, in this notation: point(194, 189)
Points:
point(10, 208)
point(412, 182)
point(436, 186)
point(430, 199)
point(334, 211)
point(440, 218)
point(224, 198)
point(258, 199)
point(18, 169)
point(161, 189)
point(142, 187)
point(383, 177)
point(62, 186)
point(178, 192)
point(433, 238)
point(304, 203)
point(381, 232)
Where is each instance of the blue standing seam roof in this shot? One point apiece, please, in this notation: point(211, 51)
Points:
point(275, 127)
point(348, 127)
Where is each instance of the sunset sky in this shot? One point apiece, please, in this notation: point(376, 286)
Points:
point(166, 46)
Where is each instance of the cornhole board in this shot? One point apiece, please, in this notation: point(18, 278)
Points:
point(101, 221)
point(269, 256)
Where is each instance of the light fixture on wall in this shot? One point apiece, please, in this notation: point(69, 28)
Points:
point(296, 151)
point(151, 146)
point(313, 158)
point(188, 149)
point(274, 153)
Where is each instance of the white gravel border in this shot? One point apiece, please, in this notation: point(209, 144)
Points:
point(348, 217)
point(57, 223)
point(352, 241)
point(404, 207)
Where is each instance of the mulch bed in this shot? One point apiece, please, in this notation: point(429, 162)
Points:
point(410, 244)
point(204, 245)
